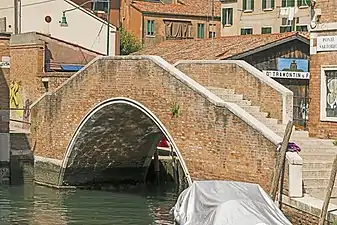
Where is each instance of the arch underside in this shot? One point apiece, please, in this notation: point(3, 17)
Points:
point(115, 144)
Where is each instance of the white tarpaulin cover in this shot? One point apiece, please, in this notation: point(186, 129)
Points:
point(227, 203)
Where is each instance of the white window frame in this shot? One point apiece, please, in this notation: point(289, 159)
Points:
point(323, 94)
point(271, 27)
point(268, 7)
point(227, 16)
point(249, 9)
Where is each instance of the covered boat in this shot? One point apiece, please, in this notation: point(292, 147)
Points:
point(226, 203)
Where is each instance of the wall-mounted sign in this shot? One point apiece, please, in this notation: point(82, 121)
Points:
point(290, 69)
point(326, 43)
point(5, 62)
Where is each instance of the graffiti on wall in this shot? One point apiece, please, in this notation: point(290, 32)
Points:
point(15, 99)
point(18, 106)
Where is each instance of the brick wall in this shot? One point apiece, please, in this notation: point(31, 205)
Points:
point(214, 142)
point(26, 69)
point(328, 9)
point(317, 127)
point(232, 76)
point(57, 78)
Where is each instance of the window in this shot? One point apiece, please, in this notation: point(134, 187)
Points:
point(211, 30)
point(248, 5)
point(268, 4)
point(288, 3)
point(211, 34)
point(150, 27)
point(266, 30)
point(303, 28)
point(329, 94)
point(291, 25)
point(245, 31)
point(100, 6)
point(303, 3)
point(227, 16)
point(175, 29)
point(201, 30)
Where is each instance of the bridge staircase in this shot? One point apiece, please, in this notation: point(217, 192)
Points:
point(317, 154)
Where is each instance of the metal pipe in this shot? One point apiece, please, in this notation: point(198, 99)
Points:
point(108, 30)
point(16, 17)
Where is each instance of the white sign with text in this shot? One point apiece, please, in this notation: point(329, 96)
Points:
point(326, 43)
point(287, 74)
point(5, 62)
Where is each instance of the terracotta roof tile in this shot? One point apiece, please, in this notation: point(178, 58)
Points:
point(224, 47)
point(185, 7)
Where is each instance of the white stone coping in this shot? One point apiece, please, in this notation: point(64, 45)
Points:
point(294, 158)
point(47, 160)
point(309, 204)
point(287, 95)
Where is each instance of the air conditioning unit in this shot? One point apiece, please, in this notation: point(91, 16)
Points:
point(100, 6)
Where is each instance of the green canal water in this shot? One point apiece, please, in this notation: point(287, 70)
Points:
point(37, 205)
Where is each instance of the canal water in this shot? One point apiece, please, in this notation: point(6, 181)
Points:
point(38, 205)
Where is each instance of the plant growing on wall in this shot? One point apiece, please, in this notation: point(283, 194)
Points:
point(128, 42)
point(335, 144)
point(175, 110)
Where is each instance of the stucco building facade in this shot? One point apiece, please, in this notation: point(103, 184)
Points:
point(83, 27)
point(155, 21)
point(264, 16)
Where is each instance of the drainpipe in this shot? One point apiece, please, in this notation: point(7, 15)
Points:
point(16, 17)
point(143, 30)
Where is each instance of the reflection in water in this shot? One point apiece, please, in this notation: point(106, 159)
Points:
point(31, 204)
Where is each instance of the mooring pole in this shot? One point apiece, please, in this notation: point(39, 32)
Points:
point(280, 163)
point(156, 165)
point(328, 193)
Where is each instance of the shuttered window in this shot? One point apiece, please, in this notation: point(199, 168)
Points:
point(248, 5)
point(201, 30)
point(227, 16)
point(150, 27)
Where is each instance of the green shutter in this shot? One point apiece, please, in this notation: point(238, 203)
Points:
point(148, 27)
point(202, 30)
point(284, 3)
point(290, 3)
point(223, 16)
point(264, 3)
point(244, 6)
point(252, 5)
point(230, 16)
point(272, 4)
point(152, 28)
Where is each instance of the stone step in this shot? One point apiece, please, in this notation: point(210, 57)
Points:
point(299, 134)
point(242, 102)
point(251, 109)
point(319, 192)
point(316, 173)
point(317, 164)
point(319, 149)
point(312, 142)
point(231, 97)
point(312, 156)
point(221, 90)
point(317, 182)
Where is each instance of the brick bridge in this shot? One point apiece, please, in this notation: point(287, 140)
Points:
point(106, 120)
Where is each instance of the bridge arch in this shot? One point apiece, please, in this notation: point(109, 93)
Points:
point(114, 141)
